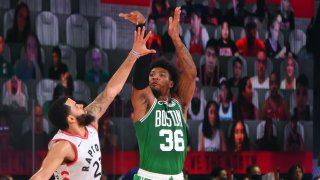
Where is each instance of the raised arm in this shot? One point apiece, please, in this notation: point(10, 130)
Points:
point(187, 67)
point(141, 96)
point(115, 84)
point(60, 152)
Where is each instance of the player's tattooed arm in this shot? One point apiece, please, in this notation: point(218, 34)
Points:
point(185, 63)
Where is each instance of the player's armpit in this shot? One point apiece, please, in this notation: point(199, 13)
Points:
point(142, 101)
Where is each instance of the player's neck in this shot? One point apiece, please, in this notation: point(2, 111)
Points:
point(164, 98)
point(77, 130)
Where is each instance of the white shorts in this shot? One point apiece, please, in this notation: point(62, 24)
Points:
point(156, 176)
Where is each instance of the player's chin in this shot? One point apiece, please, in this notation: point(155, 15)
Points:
point(156, 91)
point(154, 87)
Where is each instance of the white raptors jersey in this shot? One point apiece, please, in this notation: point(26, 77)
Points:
point(87, 163)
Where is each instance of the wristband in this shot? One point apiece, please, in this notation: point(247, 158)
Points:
point(135, 53)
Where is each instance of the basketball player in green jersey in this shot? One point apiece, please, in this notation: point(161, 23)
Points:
point(160, 105)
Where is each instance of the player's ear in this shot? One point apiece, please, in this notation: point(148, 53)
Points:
point(71, 119)
point(171, 84)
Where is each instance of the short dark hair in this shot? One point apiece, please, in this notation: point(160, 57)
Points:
point(216, 171)
point(197, 12)
point(303, 81)
point(242, 88)
point(292, 170)
point(58, 113)
point(57, 50)
point(250, 24)
point(250, 167)
point(211, 44)
point(151, 17)
point(277, 77)
point(173, 71)
point(237, 59)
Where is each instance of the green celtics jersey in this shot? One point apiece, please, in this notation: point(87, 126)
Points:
point(162, 138)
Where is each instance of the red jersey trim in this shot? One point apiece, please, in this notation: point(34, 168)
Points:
point(95, 127)
point(64, 172)
point(76, 135)
point(74, 148)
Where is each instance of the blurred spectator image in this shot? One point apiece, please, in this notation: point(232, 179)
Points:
point(212, 15)
point(294, 139)
point(57, 68)
point(250, 45)
point(6, 69)
point(41, 137)
point(269, 140)
point(237, 71)
point(14, 97)
point(97, 74)
point(218, 173)
point(41, 120)
point(275, 107)
point(262, 12)
point(198, 103)
point(186, 10)
point(209, 73)
point(197, 36)
point(154, 41)
point(289, 83)
point(307, 52)
point(237, 13)
point(21, 25)
point(253, 172)
point(295, 172)
point(287, 15)
point(64, 88)
point(159, 10)
point(238, 140)
point(226, 46)
point(212, 137)
point(67, 84)
point(107, 134)
point(244, 107)
point(225, 102)
point(32, 66)
point(261, 81)
point(273, 47)
point(303, 110)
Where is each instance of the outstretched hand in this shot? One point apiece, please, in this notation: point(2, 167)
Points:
point(139, 42)
point(174, 23)
point(135, 17)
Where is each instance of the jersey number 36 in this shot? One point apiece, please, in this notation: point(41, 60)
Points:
point(174, 140)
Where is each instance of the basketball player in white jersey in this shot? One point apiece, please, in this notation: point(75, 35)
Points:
point(74, 152)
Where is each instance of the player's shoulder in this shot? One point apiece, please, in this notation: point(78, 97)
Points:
point(178, 101)
point(63, 149)
point(61, 144)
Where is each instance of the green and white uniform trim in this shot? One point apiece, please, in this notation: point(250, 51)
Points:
point(162, 138)
point(146, 175)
